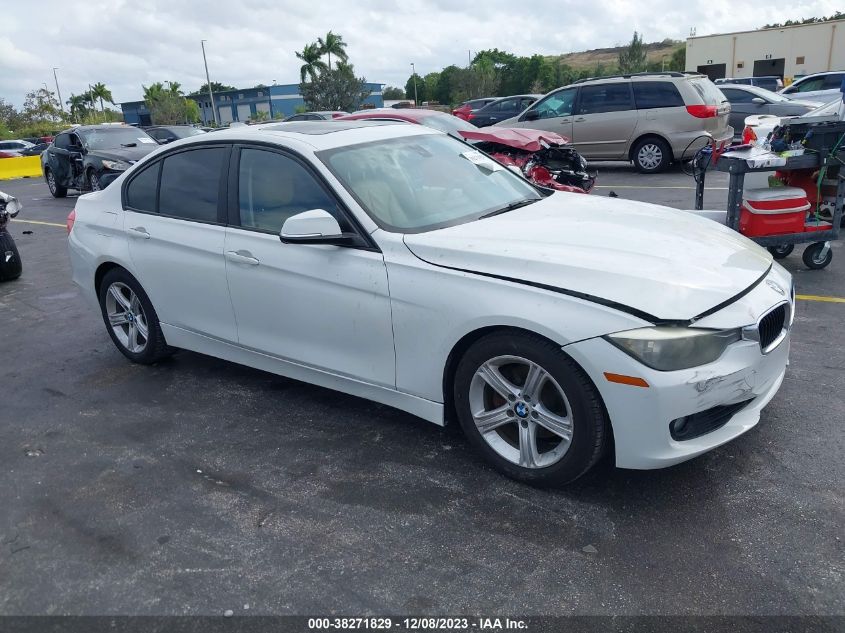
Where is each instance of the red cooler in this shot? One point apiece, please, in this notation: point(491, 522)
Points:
point(773, 211)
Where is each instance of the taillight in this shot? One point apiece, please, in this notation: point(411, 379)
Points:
point(71, 218)
point(748, 135)
point(703, 111)
point(470, 116)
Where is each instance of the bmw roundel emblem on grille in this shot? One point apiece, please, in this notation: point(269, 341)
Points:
point(776, 287)
point(521, 409)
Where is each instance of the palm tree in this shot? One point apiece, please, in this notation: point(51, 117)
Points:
point(78, 105)
point(174, 87)
point(311, 55)
point(153, 93)
point(99, 91)
point(333, 45)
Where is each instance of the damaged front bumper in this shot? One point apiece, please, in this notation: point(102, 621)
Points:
point(682, 414)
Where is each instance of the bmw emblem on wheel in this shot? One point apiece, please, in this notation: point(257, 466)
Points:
point(521, 409)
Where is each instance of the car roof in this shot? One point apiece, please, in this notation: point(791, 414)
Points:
point(319, 135)
point(89, 128)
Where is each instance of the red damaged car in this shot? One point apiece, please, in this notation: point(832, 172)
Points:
point(544, 158)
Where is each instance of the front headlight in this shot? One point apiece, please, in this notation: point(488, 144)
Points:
point(116, 165)
point(673, 348)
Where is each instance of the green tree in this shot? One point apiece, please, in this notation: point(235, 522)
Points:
point(99, 91)
point(311, 56)
point(41, 105)
point(216, 86)
point(78, 105)
point(392, 93)
point(679, 59)
point(167, 106)
point(259, 116)
point(633, 58)
point(333, 45)
point(420, 93)
point(337, 89)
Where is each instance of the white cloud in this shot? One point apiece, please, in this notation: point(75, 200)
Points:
point(126, 44)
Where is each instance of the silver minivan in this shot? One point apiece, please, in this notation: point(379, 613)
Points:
point(651, 119)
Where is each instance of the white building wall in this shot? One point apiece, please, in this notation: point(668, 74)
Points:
point(822, 47)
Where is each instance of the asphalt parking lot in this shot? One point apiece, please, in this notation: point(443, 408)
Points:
point(198, 486)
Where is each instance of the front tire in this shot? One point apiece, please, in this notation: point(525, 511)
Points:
point(130, 319)
point(652, 155)
point(817, 255)
point(781, 251)
point(56, 190)
point(10, 259)
point(529, 409)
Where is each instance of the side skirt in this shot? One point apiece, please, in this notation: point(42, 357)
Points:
point(420, 407)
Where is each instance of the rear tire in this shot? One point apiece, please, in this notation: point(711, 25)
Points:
point(652, 155)
point(10, 259)
point(56, 190)
point(130, 319)
point(558, 415)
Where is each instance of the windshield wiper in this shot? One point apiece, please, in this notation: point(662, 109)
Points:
point(510, 207)
point(129, 144)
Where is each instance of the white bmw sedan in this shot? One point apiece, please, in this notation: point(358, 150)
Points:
point(398, 264)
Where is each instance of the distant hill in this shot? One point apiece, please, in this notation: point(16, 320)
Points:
point(610, 56)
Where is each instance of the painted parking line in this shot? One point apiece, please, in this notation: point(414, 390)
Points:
point(820, 298)
point(64, 226)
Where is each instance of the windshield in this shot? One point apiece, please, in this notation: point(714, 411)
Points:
point(115, 138)
point(419, 183)
point(827, 109)
point(447, 123)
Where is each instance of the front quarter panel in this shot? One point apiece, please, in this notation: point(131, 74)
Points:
point(435, 307)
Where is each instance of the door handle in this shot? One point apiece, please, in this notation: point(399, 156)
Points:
point(139, 231)
point(579, 119)
point(242, 257)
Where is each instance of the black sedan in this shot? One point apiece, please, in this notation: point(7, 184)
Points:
point(164, 134)
point(89, 157)
point(501, 109)
point(748, 100)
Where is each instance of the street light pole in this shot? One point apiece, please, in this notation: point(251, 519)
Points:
point(414, 77)
point(61, 104)
point(208, 80)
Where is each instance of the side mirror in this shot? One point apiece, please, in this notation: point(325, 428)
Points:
point(758, 101)
point(531, 115)
point(167, 140)
point(314, 227)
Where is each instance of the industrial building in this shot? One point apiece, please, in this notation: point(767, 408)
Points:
point(788, 52)
point(277, 101)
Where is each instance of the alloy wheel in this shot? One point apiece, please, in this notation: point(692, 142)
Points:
point(650, 156)
point(127, 318)
point(94, 181)
point(521, 411)
point(51, 181)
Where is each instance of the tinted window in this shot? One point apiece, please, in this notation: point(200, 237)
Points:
point(62, 141)
point(605, 98)
point(708, 91)
point(557, 104)
point(832, 82)
point(141, 190)
point(507, 105)
point(190, 182)
point(809, 85)
point(656, 94)
point(273, 187)
point(738, 96)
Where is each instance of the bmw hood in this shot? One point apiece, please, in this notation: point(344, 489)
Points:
point(660, 263)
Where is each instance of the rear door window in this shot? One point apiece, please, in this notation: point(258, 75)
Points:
point(738, 96)
point(141, 190)
point(656, 94)
point(832, 82)
point(190, 184)
point(62, 141)
point(612, 97)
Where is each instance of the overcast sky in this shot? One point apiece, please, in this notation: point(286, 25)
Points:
point(128, 43)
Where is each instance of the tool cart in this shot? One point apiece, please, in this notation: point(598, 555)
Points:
point(779, 217)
